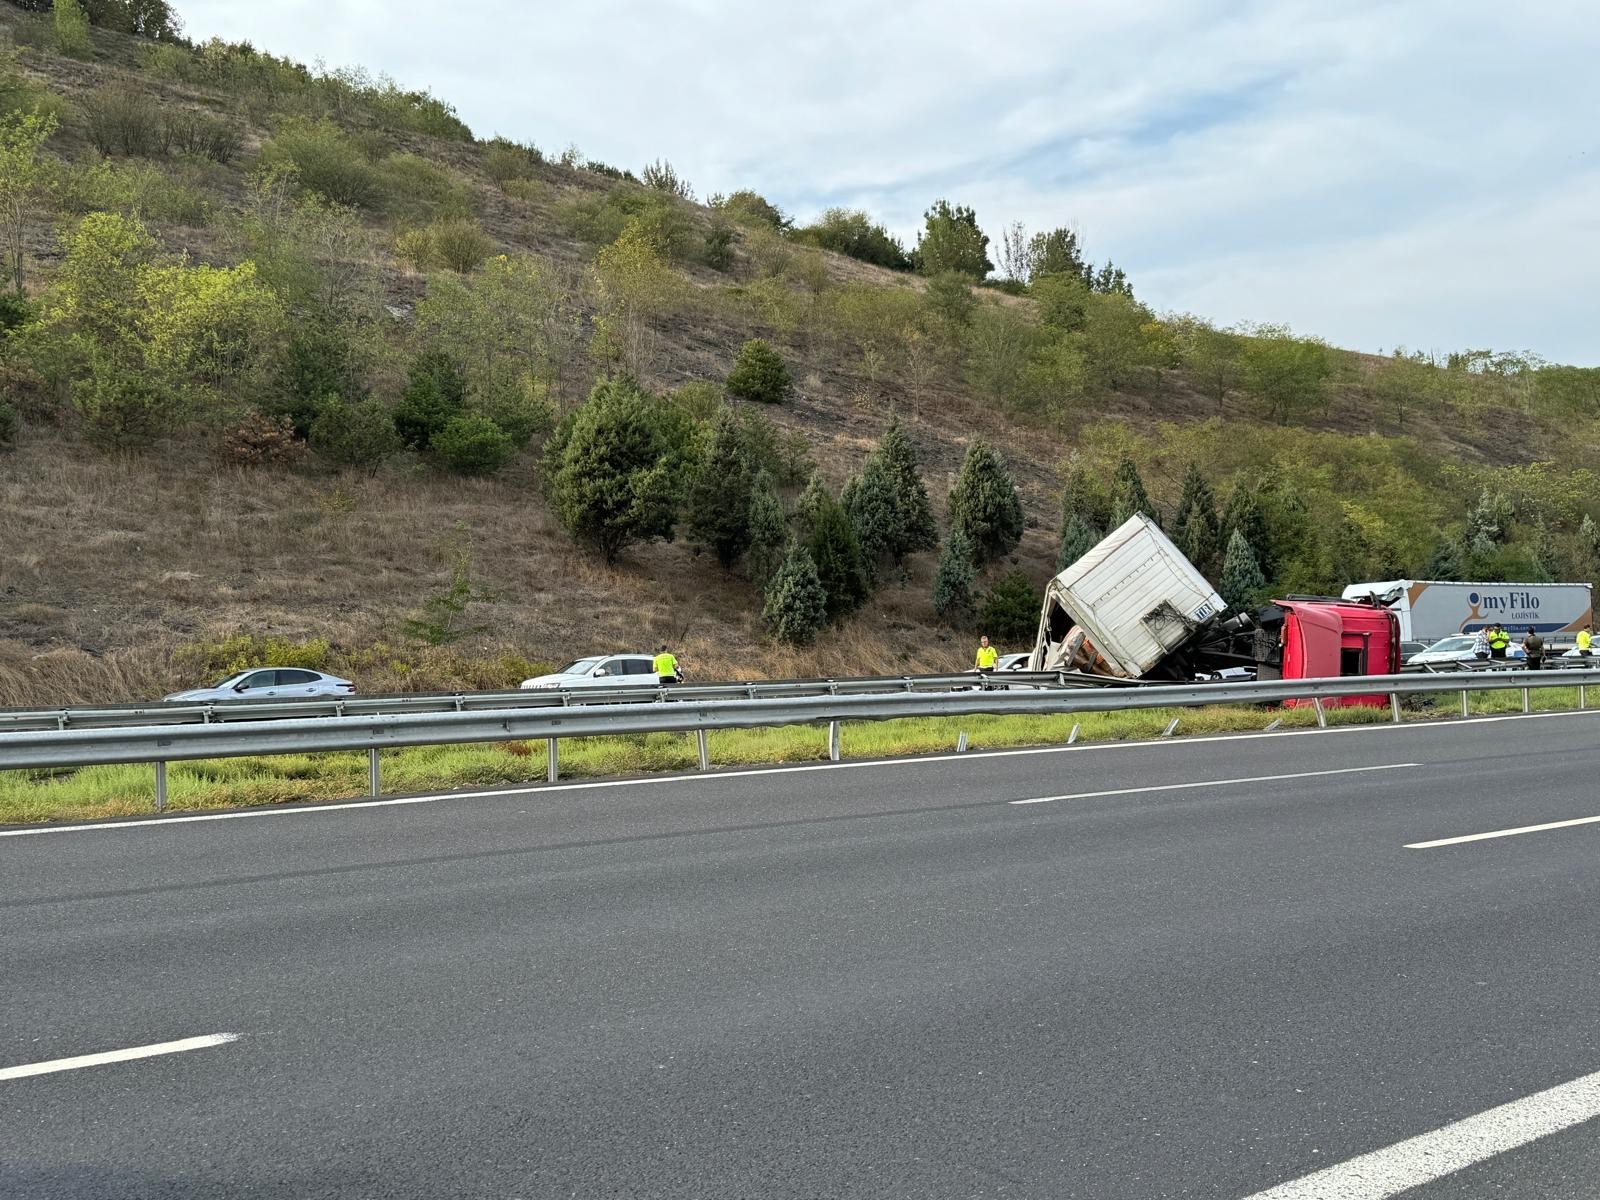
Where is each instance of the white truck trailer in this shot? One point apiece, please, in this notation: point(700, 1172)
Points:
point(1429, 609)
point(1124, 607)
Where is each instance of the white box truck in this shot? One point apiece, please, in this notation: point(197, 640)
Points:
point(1429, 609)
point(1125, 606)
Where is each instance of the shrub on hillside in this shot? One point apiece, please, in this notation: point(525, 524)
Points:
point(354, 434)
point(435, 394)
point(416, 188)
point(72, 28)
point(189, 131)
point(522, 408)
point(260, 440)
point(9, 424)
point(142, 188)
point(123, 409)
point(1010, 609)
point(121, 119)
point(759, 374)
point(326, 160)
point(852, 232)
point(505, 160)
point(461, 245)
point(750, 208)
point(796, 605)
point(318, 361)
point(719, 247)
point(472, 444)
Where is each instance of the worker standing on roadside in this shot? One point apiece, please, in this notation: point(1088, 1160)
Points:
point(1499, 642)
point(1533, 647)
point(988, 656)
point(1585, 642)
point(666, 666)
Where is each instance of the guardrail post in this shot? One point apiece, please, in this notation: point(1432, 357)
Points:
point(961, 742)
point(705, 750)
point(1073, 736)
point(833, 741)
point(161, 787)
point(1171, 725)
point(374, 773)
point(1583, 700)
point(1464, 711)
point(1322, 717)
point(1394, 706)
point(1273, 726)
point(552, 769)
point(1526, 703)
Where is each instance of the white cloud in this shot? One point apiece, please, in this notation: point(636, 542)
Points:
point(1373, 172)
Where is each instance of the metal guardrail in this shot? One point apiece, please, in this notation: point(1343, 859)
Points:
point(179, 713)
point(376, 731)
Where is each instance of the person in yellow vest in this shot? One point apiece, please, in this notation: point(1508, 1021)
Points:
point(1585, 642)
point(666, 665)
point(1499, 641)
point(988, 656)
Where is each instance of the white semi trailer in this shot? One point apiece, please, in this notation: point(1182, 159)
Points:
point(1126, 607)
point(1429, 609)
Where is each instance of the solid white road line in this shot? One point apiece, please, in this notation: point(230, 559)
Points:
point(1431, 1156)
point(116, 1056)
point(711, 777)
point(1500, 833)
point(1204, 783)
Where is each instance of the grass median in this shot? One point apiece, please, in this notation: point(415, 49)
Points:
point(32, 796)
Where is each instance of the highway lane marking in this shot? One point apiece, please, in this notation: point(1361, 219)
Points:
point(1204, 783)
point(116, 1056)
point(1501, 833)
point(653, 781)
point(1419, 1160)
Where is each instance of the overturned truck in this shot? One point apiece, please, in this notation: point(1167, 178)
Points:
point(1134, 608)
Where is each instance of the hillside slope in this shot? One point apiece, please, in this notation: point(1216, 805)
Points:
point(124, 571)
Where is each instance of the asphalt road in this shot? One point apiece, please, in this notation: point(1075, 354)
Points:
point(859, 981)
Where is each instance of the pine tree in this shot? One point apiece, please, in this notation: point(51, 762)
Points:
point(870, 501)
point(984, 503)
point(1010, 609)
point(952, 586)
point(796, 606)
point(1085, 496)
point(608, 470)
point(718, 501)
point(841, 566)
point(1242, 581)
point(1196, 531)
point(916, 512)
point(1244, 515)
point(1128, 495)
point(434, 396)
point(1541, 554)
point(1077, 539)
point(813, 499)
point(769, 531)
point(1446, 561)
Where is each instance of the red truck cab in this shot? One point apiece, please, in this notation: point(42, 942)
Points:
point(1322, 639)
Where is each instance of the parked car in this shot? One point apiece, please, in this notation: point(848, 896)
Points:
point(602, 670)
point(1457, 648)
point(266, 683)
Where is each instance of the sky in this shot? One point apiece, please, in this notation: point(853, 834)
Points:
point(1421, 174)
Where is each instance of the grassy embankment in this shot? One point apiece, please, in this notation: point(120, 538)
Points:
point(246, 782)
